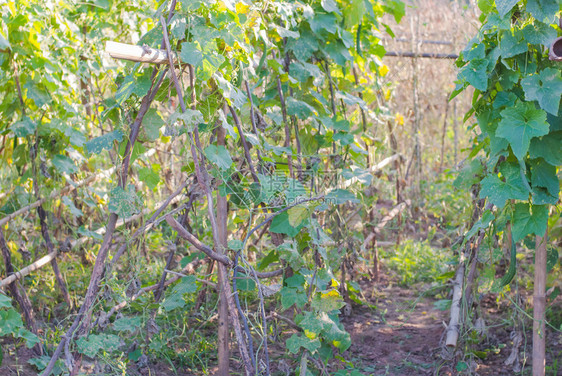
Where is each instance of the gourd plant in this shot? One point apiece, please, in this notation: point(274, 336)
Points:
point(516, 103)
point(261, 103)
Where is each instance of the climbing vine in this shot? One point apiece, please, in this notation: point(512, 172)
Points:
point(516, 151)
point(257, 134)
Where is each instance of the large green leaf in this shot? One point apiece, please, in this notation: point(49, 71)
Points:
point(548, 147)
point(290, 296)
point(476, 73)
point(191, 54)
point(544, 87)
point(297, 341)
point(219, 156)
point(64, 164)
point(10, 321)
point(544, 175)
point(105, 142)
point(24, 127)
point(176, 299)
point(151, 124)
point(504, 6)
point(92, 344)
point(543, 10)
point(5, 302)
point(539, 33)
point(519, 124)
point(124, 203)
point(529, 219)
point(511, 187)
point(281, 225)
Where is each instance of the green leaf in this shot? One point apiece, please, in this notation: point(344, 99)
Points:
point(219, 156)
point(286, 33)
point(327, 302)
point(125, 90)
point(340, 196)
point(330, 6)
point(513, 44)
point(504, 6)
point(191, 54)
point(476, 73)
point(281, 225)
point(469, 175)
point(544, 175)
point(233, 95)
point(551, 258)
point(245, 283)
point(151, 124)
point(324, 22)
point(311, 323)
point(519, 124)
point(304, 47)
point(354, 13)
point(92, 344)
point(290, 296)
point(75, 137)
point(10, 321)
point(543, 10)
point(548, 147)
point(5, 302)
point(129, 324)
point(529, 219)
point(176, 299)
point(485, 6)
point(297, 341)
point(4, 45)
point(297, 214)
point(190, 118)
point(37, 93)
point(24, 127)
point(539, 33)
point(300, 109)
point(149, 177)
point(73, 209)
point(105, 142)
point(124, 203)
point(482, 224)
point(544, 87)
point(499, 191)
point(64, 164)
point(91, 234)
point(30, 338)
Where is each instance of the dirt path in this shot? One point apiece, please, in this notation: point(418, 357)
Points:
point(400, 337)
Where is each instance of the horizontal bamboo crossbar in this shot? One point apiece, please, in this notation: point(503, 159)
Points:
point(131, 52)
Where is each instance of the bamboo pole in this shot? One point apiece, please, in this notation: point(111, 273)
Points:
point(539, 304)
point(453, 328)
point(143, 54)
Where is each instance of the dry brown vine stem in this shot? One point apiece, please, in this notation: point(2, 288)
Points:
point(196, 242)
point(99, 266)
point(52, 255)
point(200, 172)
point(188, 269)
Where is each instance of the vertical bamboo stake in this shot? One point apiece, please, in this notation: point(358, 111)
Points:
point(223, 331)
point(456, 136)
point(416, 124)
point(539, 303)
